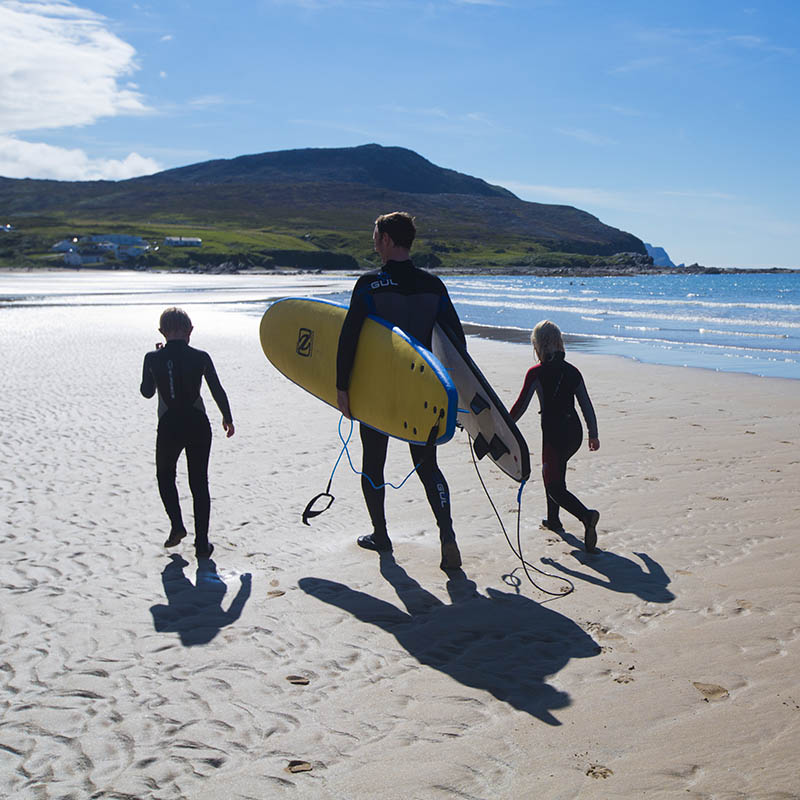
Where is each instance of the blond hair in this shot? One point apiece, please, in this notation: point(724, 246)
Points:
point(174, 320)
point(547, 340)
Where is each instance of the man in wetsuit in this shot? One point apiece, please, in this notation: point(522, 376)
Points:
point(414, 300)
point(176, 371)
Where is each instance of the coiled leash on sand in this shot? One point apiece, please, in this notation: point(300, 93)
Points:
point(310, 512)
point(511, 579)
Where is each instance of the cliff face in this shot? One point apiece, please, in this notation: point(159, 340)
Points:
point(659, 256)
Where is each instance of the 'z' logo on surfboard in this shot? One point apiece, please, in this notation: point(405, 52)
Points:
point(305, 342)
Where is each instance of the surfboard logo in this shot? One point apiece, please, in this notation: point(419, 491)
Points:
point(305, 342)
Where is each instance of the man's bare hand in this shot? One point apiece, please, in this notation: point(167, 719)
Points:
point(343, 402)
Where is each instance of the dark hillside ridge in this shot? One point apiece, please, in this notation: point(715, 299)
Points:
point(340, 190)
point(393, 168)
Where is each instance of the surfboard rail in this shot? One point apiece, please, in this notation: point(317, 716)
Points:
point(397, 386)
point(481, 412)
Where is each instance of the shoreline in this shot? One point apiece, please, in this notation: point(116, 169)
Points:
point(537, 272)
point(274, 284)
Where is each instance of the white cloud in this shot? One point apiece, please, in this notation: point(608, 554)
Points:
point(207, 100)
point(586, 136)
point(61, 66)
point(470, 122)
point(21, 159)
point(625, 111)
point(568, 195)
point(760, 43)
point(638, 64)
point(422, 112)
point(699, 195)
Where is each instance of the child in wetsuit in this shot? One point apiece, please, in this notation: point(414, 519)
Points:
point(558, 383)
point(176, 371)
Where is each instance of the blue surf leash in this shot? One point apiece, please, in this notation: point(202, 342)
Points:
point(511, 579)
point(310, 512)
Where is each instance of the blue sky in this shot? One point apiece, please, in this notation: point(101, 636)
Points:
point(676, 121)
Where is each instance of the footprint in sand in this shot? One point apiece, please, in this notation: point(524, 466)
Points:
point(711, 691)
point(625, 677)
point(598, 771)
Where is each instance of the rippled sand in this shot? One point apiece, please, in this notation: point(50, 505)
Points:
point(295, 664)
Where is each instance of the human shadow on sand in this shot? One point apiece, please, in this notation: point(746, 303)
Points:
point(621, 574)
point(502, 643)
point(194, 610)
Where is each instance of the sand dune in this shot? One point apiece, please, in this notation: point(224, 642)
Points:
point(295, 664)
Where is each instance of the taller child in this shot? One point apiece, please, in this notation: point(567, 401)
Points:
point(177, 371)
point(415, 301)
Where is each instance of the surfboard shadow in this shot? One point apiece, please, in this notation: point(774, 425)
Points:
point(622, 574)
point(194, 610)
point(502, 643)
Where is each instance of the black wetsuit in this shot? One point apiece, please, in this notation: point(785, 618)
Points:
point(177, 371)
point(415, 301)
point(558, 383)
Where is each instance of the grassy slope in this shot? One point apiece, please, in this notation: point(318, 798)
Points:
point(245, 223)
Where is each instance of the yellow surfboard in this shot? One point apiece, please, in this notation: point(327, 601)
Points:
point(397, 386)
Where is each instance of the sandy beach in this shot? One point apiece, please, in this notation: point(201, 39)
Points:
point(670, 671)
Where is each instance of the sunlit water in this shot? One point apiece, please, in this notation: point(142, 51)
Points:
point(740, 323)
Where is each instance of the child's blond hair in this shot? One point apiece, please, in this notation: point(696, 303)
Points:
point(547, 340)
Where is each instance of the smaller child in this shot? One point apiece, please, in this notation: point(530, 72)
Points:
point(177, 371)
point(558, 383)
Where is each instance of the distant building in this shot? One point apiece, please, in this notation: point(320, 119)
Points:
point(98, 248)
point(182, 241)
point(87, 255)
point(133, 251)
point(65, 245)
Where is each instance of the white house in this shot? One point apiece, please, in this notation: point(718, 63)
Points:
point(132, 251)
point(97, 248)
point(65, 245)
point(76, 259)
point(183, 241)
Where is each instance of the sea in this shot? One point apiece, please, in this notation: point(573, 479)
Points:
point(744, 322)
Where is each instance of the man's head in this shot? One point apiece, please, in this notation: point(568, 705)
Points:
point(175, 324)
point(393, 235)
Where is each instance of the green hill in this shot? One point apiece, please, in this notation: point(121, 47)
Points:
point(308, 208)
